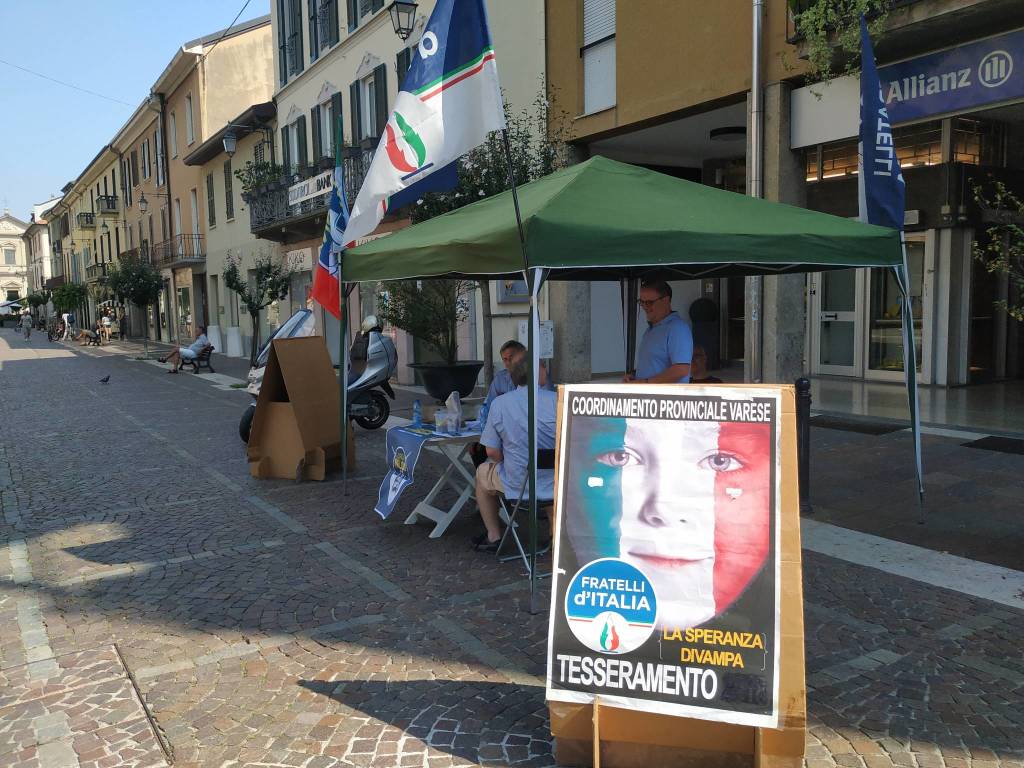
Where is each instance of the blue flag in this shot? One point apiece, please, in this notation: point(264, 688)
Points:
point(880, 181)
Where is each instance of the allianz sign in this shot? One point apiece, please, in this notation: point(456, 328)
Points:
point(311, 187)
point(973, 75)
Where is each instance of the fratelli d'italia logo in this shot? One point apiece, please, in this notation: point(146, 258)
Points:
point(611, 606)
point(405, 149)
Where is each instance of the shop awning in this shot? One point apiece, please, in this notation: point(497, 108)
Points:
point(605, 220)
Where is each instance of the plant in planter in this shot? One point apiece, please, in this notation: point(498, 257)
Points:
point(831, 29)
point(431, 311)
point(256, 174)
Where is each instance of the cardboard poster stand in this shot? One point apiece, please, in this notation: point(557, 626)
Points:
point(296, 427)
point(608, 737)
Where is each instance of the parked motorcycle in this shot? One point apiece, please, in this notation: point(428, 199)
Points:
point(373, 361)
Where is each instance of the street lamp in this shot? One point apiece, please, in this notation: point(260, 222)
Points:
point(230, 139)
point(144, 203)
point(403, 15)
point(230, 143)
point(104, 229)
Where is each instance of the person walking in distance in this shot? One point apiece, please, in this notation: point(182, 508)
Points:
point(666, 349)
point(26, 324)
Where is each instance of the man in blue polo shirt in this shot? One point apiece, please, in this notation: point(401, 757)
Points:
point(666, 348)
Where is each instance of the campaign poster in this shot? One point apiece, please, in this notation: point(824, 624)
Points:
point(665, 593)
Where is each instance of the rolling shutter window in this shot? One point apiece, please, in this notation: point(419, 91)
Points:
point(403, 64)
point(380, 84)
point(355, 106)
point(336, 121)
point(598, 54)
point(314, 120)
point(300, 131)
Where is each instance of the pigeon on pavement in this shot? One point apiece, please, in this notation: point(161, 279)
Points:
point(105, 379)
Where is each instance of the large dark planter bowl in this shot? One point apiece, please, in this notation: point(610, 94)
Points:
point(441, 379)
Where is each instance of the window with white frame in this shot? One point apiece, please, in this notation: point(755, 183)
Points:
point(369, 107)
point(327, 129)
point(145, 159)
point(174, 135)
point(9, 256)
point(190, 135)
point(598, 55)
point(158, 140)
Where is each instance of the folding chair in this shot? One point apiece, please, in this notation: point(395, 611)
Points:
point(509, 511)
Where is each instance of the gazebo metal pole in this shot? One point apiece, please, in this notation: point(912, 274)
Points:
point(533, 283)
point(902, 274)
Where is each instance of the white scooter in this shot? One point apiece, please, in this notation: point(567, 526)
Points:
point(373, 361)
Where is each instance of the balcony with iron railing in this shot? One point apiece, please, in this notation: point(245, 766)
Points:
point(95, 272)
point(106, 205)
point(179, 251)
point(272, 218)
point(86, 220)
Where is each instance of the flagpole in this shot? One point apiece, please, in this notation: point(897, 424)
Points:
point(531, 280)
point(342, 333)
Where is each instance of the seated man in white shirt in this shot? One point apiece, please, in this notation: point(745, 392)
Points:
point(506, 439)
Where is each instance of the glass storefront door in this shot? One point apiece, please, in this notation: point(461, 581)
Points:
point(838, 322)
point(184, 314)
point(884, 337)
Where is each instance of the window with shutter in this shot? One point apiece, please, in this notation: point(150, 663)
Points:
point(376, 5)
point(229, 192)
point(336, 118)
point(352, 7)
point(282, 43)
point(314, 29)
point(314, 124)
point(286, 151)
point(403, 63)
point(330, 11)
point(380, 84)
point(300, 132)
point(355, 105)
point(211, 208)
point(135, 168)
point(145, 159)
point(598, 54)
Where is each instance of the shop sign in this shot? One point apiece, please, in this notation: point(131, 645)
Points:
point(309, 188)
point(666, 586)
point(956, 80)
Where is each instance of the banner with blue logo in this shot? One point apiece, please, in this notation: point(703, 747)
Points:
point(665, 594)
point(880, 184)
point(403, 451)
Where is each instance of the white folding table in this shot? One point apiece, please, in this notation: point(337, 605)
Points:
point(459, 475)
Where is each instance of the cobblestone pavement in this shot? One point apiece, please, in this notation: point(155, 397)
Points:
point(274, 624)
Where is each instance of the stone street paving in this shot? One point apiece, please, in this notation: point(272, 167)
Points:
point(274, 624)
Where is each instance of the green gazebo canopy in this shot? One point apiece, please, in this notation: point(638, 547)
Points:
point(605, 220)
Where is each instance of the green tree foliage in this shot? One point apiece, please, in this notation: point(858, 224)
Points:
point(428, 309)
point(268, 282)
point(69, 297)
point(1001, 251)
point(135, 281)
point(831, 32)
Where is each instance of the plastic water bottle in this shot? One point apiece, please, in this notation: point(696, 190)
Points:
point(417, 414)
point(482, 417)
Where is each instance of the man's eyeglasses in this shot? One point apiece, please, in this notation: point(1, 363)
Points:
point(648, 303)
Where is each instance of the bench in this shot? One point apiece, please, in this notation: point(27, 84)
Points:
point(202, 361)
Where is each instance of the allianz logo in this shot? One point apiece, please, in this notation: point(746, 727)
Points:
point(993, 70)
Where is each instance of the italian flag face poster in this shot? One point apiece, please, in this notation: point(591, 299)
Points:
point(665, 593)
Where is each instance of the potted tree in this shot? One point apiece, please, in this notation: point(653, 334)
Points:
point(431, 311)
